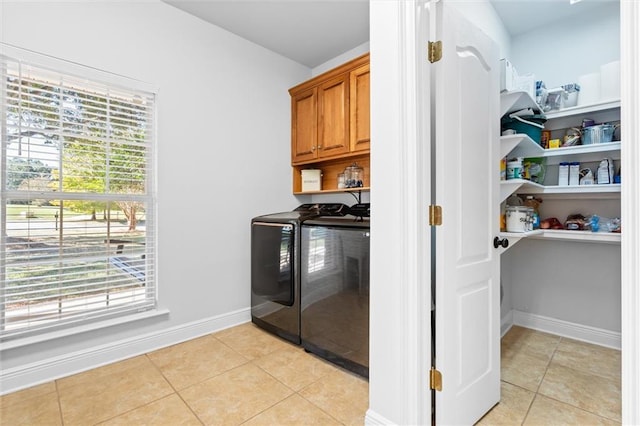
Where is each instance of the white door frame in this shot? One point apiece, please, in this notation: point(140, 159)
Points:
point(400, 338)
point(630, 119)
point(400, 353)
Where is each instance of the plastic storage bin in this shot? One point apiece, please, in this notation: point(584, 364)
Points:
point(531, 125)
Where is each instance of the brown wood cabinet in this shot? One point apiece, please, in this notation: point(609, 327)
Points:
point(304, 125)
point(333, 117)
point(330, 123)
point(359, 124)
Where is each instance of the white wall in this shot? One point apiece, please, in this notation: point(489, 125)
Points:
point(482, 14)
point(561, 52)
point(567, 281)
point(223, 158)
point(341, 59)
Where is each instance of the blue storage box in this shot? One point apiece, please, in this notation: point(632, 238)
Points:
point(531, 125)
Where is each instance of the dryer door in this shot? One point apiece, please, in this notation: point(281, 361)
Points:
point(272, 257)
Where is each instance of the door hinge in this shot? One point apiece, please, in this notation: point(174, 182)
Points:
point(435, 51)
point(435, 379)
point(435, 215)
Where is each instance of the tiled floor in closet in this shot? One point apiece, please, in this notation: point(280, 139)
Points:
point(245, 376)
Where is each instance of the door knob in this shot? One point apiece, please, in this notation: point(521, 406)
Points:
point(497, 242)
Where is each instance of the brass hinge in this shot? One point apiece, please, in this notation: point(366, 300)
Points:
point(435, 379)
point(435, 215)
point(435, 51)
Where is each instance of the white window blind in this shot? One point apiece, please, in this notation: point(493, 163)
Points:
point(77, 241)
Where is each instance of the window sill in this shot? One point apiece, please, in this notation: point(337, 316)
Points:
point(30, 340)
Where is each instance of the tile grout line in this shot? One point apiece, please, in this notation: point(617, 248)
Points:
point(536, 394)
point(297, 392)
point(175, 391)
point(55, 382)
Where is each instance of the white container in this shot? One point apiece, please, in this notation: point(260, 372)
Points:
point(311, 180)
point(589, 89)
point(605, 172)
point(526, 83)
point(563, 174)
point(508, 76)
point(610, 81)
point(519, 218)
point(574, 173)
point(514, 169)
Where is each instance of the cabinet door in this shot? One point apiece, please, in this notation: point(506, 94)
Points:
point(333, 119)
point(359, 109)
point(304, 128)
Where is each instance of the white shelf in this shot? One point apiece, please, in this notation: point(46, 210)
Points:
point(534, 188)
point(579, 236)
point(519, 145)
point(583, 109)
point(515, 237)
point(508, 187)
point(564, 235)
point(583, 153)
point(582, 149)
point(515, 101)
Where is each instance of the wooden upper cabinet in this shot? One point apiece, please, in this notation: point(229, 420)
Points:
point(333, 113)
point(304, 133)
point(330, 114)
point(360, 109)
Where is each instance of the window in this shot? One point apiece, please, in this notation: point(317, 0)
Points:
point(77, 239)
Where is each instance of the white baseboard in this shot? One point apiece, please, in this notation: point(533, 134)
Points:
point(597, 336)
point(25, 376)
point(506, 322)
point(374, 419)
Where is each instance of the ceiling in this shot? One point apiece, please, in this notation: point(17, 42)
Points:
point(311, 32)
point(522, 16)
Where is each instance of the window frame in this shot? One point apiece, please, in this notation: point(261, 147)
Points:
point(92, 76)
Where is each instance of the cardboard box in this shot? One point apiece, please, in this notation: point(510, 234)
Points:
point(311, 180)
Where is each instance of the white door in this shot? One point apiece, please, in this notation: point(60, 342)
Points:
point(467, 266)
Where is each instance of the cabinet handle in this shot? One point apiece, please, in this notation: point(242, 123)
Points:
point(319, 146)
point(497, 242)
point(313, 148)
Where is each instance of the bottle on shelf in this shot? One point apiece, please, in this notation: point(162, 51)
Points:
point(563, 174)
point(534, 204)
point(574, 173)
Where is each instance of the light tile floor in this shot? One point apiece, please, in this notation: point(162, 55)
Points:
point(241, 375)
point(244, 375)
point(552, 380)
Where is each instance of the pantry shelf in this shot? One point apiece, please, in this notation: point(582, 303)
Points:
point(515, 237)
point(579, 236)
point(583, 153)
point(519, 145)
point(515, 101)
point(564, 235)
point(533, 188)
point(508, 187)
point(584, 109)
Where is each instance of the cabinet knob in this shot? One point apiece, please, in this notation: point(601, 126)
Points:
point(313, 148)
point(497, 242)
point(319, 146)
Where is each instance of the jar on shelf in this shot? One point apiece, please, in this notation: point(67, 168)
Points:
point(353, 176)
